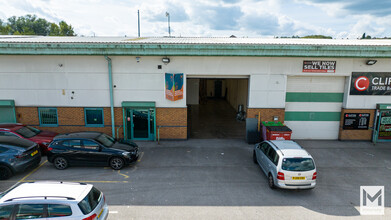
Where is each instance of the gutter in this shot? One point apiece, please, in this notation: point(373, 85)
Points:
point(111, 95)
point(257, 50)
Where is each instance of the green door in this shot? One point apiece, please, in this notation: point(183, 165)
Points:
point(7, 111)
point(140, 124)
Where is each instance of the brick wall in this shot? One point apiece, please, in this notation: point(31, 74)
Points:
point(173, 122)
point(266, 113)
point(27, 115)
point(70, 119)
point(356, 134)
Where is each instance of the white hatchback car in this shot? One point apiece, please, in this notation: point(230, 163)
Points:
point(53, 200)
point(286, 164)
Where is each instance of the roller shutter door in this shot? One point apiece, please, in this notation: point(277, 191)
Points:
point(313, 106)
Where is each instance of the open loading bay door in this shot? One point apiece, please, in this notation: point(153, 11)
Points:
point(216, 107)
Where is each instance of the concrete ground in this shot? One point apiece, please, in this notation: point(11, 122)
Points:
point(216, 179)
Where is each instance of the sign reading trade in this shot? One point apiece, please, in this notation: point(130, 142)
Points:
point(174, 86)
point(370, 84)
point(319, 66)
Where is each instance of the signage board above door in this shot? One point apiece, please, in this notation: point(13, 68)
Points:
point(319, 66)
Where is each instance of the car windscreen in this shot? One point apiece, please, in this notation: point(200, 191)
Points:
point(106, 140)
point(92, 199)
point(27, 131)
point(298, 164)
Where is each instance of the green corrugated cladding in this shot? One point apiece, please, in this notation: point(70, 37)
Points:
point(119, 49)
point(312, 116)
point(127, 104)
point(313, 97)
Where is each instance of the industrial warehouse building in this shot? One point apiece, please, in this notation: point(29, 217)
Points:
point(177, 88)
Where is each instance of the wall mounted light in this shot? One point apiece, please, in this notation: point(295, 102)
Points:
point(275, 118)
point(371, 62)
point(166, 60)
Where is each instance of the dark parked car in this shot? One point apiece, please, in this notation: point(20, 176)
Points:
point(91, 148)
point(43, 138)
point(17, 155)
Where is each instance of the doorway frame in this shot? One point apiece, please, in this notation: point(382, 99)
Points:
point(131, 106)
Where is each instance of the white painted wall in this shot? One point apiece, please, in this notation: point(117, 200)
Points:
point(43, 81)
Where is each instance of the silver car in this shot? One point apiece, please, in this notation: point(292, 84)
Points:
point(286, 164)
point(53, 200)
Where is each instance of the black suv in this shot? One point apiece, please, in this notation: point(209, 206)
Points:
point(91, 148)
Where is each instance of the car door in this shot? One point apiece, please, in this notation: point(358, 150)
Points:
point(272, 159)
point(264, 149)
point(72, 151)
point(30, 211)
point(6, 211)
point(95, 153)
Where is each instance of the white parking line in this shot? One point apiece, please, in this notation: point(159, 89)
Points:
point(113, 212)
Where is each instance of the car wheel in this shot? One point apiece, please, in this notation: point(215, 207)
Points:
point(271, 181)
point(254, 157)
point(60, 163)
point(116, 163)
point(5, 173)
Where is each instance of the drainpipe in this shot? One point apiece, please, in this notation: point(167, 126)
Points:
point(111, 96)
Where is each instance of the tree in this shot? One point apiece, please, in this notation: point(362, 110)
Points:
point(318, 37)
point(4, 29)
point(365, 36)
point(54, 30)
point(31, 25)
point(65, 29)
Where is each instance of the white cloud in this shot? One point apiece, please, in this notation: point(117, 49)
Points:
point(253, 18)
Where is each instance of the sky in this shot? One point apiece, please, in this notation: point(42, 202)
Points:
point(212, 18)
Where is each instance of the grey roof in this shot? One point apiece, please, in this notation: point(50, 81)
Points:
point(192, 40)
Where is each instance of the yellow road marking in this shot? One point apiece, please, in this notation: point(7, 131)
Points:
point(126, 176)
point(22, 180)
point(141, 156)
point(84, 181)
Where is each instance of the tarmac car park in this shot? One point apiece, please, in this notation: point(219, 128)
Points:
point(212, 179)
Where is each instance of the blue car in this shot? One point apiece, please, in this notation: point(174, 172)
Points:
point(17, 155)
